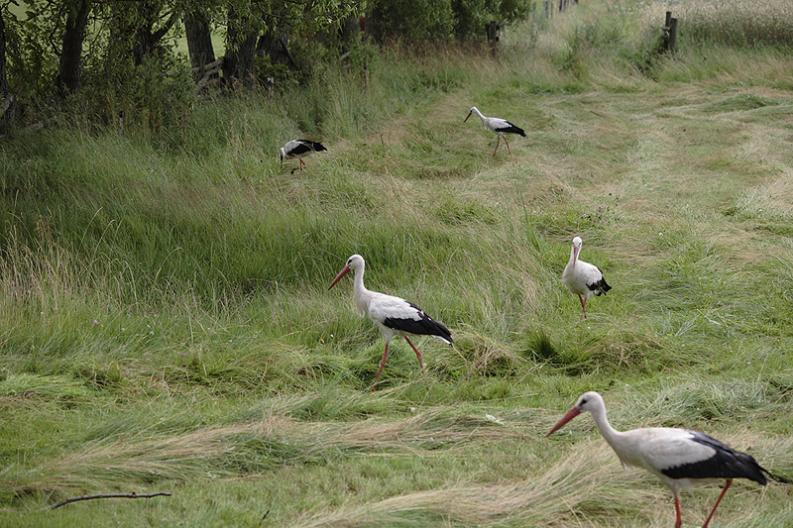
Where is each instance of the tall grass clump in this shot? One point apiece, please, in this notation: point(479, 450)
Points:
point(736, 23)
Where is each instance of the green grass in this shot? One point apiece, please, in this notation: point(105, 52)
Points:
point(165, 323)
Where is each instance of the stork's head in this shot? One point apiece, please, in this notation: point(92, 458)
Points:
point(577, 243)
point(471, 111)
point(354, 263)
point(588, 402)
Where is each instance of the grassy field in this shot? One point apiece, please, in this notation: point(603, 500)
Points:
point(165, 323)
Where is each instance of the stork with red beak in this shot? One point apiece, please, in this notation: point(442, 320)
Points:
point(393, 315)
point(501, 127)
point(677, 456)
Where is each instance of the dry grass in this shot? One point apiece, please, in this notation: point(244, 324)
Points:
point(257, 446)
point(736, 22)
point(770, 201)
point(586, 488)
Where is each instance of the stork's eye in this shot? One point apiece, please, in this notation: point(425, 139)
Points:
point(583, 401)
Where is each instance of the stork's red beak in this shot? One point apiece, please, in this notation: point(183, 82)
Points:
point(572, 413)
point(466, 117)
point(344, 271)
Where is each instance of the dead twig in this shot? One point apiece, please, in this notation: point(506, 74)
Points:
point(132, 495)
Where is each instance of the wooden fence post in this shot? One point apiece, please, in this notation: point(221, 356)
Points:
point(493, 30)
point(669, 41)
point(672, 35)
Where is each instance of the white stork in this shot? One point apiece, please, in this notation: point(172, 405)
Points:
point(676, 456)
point(582, 278)
point(393, 315)
point(497, 125)
point(298, 149)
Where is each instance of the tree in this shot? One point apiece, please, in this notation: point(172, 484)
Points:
point(147, 39)
point(70, 63)
point(199, 39)
point(242, 31)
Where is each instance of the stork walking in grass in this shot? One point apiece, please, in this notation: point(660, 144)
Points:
point(298, 149)
point(501, 127)
point(676, 456)
point(582, 278)
point(393, 315)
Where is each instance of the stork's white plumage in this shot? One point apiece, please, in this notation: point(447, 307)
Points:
point(393, 315)
point(582, 278)
point(497, 125)
point(676, 456)
point(298, 149)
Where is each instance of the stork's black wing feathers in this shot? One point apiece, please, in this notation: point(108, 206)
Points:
point(600, 287)
point(425, 325)
point(311, 145)
point(512, 129)
point(303, 146)
point(725, 463)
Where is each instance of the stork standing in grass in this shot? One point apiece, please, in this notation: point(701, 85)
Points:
point(393, 315)
point(501, 127)
point(582, 278)
point(677, 456)
point(298, 149)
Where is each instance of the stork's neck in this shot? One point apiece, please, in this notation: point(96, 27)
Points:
point(612, 436)
point(361, 294)
point(573, 258)
point(479, 114)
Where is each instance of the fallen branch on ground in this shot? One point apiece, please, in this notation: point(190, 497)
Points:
point(132, 495)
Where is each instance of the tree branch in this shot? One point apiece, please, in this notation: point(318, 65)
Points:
point(132, 495)
point(160, 33)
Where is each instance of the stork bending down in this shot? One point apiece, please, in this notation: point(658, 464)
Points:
point(393, 315)
point(676, 456)
point(298, 149)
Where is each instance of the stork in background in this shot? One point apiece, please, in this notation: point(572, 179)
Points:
point(676, 456)
point(393, 315)
point(298, 149)
point(582, 278)
point(500, 126)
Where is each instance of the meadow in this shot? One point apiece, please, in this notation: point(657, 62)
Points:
point(166, 324)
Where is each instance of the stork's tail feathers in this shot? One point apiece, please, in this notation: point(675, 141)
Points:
point(318, 147)
point(775, 477)
point(512, 129)
point(443, 332)
point(600, 287)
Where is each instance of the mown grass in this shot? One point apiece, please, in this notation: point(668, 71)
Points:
point(166, 323)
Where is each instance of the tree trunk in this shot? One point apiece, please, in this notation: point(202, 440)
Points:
point(240, 50)
point(7, 108)
point(68, 79)
point(199, 41)
point(147, 40)
point(276, 47)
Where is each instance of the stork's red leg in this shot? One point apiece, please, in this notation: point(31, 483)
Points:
point(382, 363)
point(727, 485)
point(583, 305)
point(678, 517)
point(419, 355)
point(507, 142)
point(497, 142)
point(302, 164)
